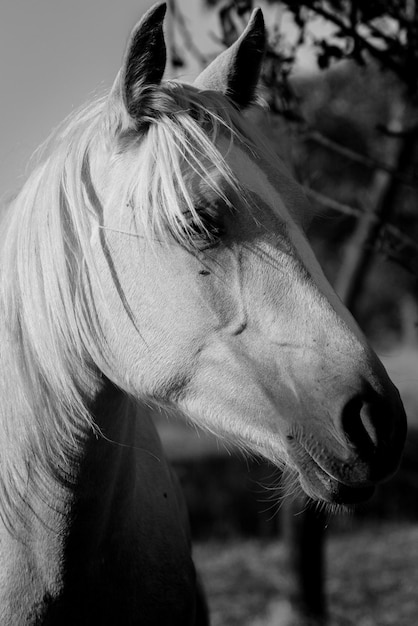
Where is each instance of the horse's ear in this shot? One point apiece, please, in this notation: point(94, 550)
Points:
point(236, 71)
point(145, 59)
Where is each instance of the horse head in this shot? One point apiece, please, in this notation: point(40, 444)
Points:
point(211, 300)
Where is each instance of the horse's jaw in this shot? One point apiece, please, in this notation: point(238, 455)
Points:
point(329, 440)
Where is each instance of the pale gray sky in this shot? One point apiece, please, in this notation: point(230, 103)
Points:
point(54, 56)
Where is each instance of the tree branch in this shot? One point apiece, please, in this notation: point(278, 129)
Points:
point(393, 242)
point(352, 155)
point(380, 55)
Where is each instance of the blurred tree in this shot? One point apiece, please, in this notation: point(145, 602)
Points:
point(385, 30)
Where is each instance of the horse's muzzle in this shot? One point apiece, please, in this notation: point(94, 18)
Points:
point(373, 431)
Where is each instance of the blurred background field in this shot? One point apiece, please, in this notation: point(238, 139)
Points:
point(371, 578)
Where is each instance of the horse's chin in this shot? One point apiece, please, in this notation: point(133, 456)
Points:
point(321, 487)
point(317, 483)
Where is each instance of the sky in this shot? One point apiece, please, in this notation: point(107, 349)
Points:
point(54, 56)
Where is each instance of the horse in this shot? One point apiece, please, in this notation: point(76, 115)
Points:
point(157, 256)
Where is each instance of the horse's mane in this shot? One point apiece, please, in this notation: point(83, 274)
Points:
point(53, 348)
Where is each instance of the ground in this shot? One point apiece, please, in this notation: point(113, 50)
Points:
point(372, 578)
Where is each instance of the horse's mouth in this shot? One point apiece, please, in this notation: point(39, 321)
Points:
point(319, 484)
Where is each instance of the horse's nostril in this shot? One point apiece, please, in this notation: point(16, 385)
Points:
point(374, 427)
point(369, 427)
point(359, 427)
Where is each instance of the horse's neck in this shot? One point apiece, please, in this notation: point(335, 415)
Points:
point(111, 540)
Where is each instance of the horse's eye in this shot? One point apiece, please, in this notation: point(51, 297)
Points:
point(205, 230)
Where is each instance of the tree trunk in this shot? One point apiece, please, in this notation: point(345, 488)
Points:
point(303, 530)
point(359, 252)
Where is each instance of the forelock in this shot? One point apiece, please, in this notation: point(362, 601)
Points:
point(180, 142)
